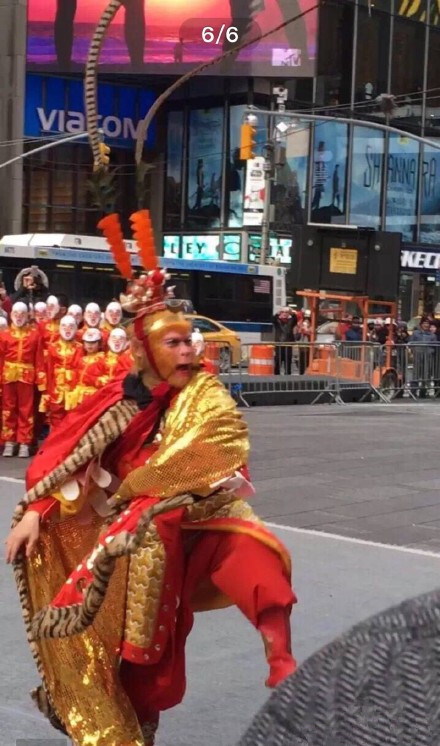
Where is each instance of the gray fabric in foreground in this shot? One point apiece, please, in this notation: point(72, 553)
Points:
point(376, 685)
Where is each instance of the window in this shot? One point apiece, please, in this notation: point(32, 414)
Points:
point(433, 83)
point(407, 60)
point(372, 66)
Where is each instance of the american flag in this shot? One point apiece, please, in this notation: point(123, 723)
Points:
point(262, 286)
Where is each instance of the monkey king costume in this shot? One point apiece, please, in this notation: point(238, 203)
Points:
point(109, 595)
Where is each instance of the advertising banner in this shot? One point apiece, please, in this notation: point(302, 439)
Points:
point(366, 177)
point(170, 37)
point(173, 188)
point(254, 192)
point(289, 192)
point(56, 106)
point(329, 172)
point(403, 164)
point(205, 167)
point(430, 218)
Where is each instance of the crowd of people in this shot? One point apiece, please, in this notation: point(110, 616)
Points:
point(52, 357)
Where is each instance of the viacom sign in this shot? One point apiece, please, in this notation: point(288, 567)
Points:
point(56, 105)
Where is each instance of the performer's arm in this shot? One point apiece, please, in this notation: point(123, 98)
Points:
point(205, 441)
point(46, 508)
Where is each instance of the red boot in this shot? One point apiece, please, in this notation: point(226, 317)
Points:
point(274, 626)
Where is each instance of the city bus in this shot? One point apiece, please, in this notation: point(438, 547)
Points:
point(243, 297)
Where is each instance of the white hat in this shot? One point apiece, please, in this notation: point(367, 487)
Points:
point(20, 307)
point(92, 335)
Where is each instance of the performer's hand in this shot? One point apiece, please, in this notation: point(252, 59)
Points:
point(26, 532)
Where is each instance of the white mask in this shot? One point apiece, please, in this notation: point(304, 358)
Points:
point(117, 341)
point(40, 311)
point(113, 313)
point(19, 314)
point(53, 307)
point(68, 328)
point(92, 314)
point(75, 311)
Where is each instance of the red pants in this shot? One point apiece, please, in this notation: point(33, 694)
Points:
point(248, 572)
point(56, 413)
point(18, 412)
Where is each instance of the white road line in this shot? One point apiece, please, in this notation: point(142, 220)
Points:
point(353, 540)
point(318, 534)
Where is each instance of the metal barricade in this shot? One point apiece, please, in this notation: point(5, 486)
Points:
point(422, 370)
point(285, 373)
point(338, 372)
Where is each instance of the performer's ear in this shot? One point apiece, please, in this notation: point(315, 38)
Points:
point(138, 352)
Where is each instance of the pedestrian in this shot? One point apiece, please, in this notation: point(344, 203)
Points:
point(354, 331)
point(423, 346)
point(284, 323)
point(303, 335)
point(31, 285)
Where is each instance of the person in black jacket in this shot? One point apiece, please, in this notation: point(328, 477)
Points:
point(284, 324)
point(31, 285)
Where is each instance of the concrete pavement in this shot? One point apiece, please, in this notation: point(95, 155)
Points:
point(361, 474)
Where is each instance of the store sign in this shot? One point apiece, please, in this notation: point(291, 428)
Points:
point(56, 106)
point(420, 260)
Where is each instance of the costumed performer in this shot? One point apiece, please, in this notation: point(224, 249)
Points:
point(18, 357)
point(62, 361)
point(108, 634)
point(89, 372)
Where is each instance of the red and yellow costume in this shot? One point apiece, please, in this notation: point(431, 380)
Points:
point(18, 354)
point(49, 331)
point(90, 376)
point(62, 361)
point(181, 449)
point(117, 363)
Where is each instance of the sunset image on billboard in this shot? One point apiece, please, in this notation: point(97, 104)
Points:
point(173, 36)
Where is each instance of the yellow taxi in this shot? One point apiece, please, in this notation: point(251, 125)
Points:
point(213, 331)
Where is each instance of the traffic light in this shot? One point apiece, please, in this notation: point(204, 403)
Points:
point(247, 141)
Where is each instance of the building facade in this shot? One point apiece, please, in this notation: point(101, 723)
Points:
point(376, 62)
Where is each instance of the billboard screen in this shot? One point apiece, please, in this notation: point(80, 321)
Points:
point(172, 37)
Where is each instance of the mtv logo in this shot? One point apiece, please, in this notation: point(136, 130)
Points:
point(286, 57)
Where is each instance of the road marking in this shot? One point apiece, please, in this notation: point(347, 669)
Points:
point(12, 479)
point(353, 540)
point(319, 534)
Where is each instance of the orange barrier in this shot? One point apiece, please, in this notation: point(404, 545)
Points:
point(261, 361)
point(212, 353)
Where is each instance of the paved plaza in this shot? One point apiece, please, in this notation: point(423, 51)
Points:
point(353, 491)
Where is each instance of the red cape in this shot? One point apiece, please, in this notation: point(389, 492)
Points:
point(63, 438)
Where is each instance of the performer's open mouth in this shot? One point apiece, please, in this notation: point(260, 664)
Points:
point(183, 368)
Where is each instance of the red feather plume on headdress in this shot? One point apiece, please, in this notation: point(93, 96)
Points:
point(111, 227)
